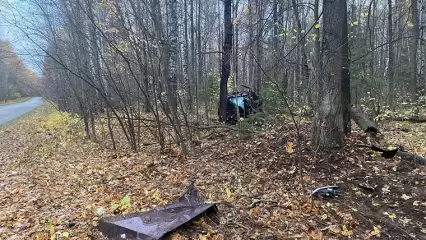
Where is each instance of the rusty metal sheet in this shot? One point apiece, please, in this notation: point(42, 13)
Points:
point(156, 223)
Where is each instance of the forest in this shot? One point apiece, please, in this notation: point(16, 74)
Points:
point(16, 80)
point(168, 65)
point(252, 99)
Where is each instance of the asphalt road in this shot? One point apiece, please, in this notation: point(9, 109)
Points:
point(12, 111)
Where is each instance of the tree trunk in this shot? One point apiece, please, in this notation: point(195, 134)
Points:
point(317, 46)
point(415, 33)
point(186, 61)
point(390, 70)
point(302, 66)
point(259, 48)
point(236, 45)
point(226, 59)
point(328, 129)
point(346, 81)
point(251, 64)
point(173, 56)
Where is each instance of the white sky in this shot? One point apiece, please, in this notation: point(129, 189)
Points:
point(24, 48)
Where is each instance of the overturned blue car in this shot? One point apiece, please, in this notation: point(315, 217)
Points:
point(241, 105)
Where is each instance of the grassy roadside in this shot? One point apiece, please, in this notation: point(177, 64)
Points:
point(14, 101)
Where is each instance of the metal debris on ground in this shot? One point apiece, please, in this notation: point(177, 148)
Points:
point(156, 223)
point(326, 192)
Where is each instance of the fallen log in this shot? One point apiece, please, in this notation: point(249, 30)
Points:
point(362, 120)
point(411, 157)
point(397, 152)
point(409, 119)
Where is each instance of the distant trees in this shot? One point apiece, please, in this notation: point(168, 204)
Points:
point(16, 80)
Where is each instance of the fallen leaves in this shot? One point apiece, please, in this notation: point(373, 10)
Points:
point(376, 232)
point(58, 185)
point(228, 193)
point(391, 216)
point(289, 147)
point(122, 206)
point(406, 197)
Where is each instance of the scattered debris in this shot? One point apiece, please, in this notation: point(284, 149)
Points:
point(386, 153)
point(260, 168)
point(399, 151)
point(155, 223)
point(368, 187)
point(326, 192)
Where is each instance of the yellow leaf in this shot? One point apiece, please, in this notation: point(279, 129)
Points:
point(346, 232)
point(51, 229)
point(228, 192)
point(334, 229)
point(375, 232)
point(66, 234)
point(392, 216)
point(317, 25)
point(316, 235)
point(295, 30)
point(254, 211)
point(356, 23)
point(290, 147)
point(176, 236)
point(366, 14)
point(218, 237)
point(156, 195)
point(202, 237)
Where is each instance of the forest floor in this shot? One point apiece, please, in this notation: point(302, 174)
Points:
point(53, 184)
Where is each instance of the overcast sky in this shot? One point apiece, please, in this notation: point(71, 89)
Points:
point(28, 52)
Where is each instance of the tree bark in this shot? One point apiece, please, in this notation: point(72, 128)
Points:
point(390, 70)
point(302, 77)
point(173, 56)
point(328, 129)
point(415, 33)
point(226, 59)
point(346, 78)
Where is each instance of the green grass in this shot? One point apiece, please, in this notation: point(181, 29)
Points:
point(18, 100)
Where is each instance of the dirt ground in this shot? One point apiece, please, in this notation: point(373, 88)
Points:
point(52, 186)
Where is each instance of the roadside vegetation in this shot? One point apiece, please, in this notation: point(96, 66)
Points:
point(56, 183)
point(259, 102)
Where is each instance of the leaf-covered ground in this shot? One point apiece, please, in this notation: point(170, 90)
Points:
point(54, 184)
